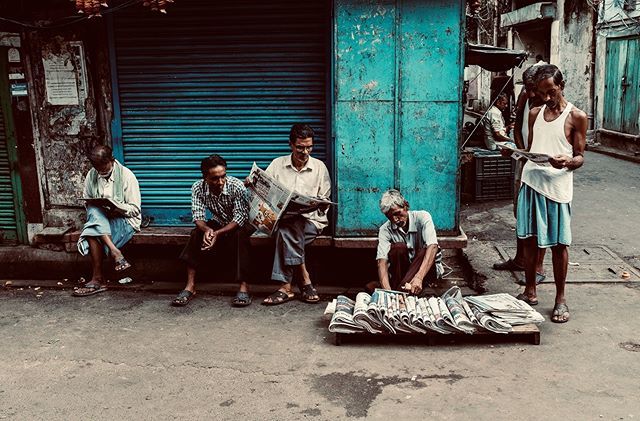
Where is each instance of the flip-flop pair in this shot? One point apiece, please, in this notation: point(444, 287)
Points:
point(308, 294)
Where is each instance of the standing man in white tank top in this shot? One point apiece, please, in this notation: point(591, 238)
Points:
point(559, 130)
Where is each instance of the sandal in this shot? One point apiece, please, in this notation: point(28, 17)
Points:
point(89, 289)
point(276, 298)
point(560, 313)
point(183, 298)
point(122, 264)
point(309, 294)
point(242, 299)
point(507, 265)
point(539, 279)
point(526, 299)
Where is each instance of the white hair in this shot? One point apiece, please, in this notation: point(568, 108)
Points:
point(392, 198)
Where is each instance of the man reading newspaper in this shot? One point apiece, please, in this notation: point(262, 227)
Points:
point(557, 129)
point(408, 254)
point(113, 202)
point(300, 173)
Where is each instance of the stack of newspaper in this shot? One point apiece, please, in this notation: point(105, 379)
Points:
point(397, 312)
point(506, 308)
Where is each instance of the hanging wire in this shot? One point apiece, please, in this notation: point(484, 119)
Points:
point(70, 20)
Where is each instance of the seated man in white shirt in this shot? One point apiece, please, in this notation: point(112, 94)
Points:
point(408, 256)
point(106, 229)
point(307, 175)
point(495, 131)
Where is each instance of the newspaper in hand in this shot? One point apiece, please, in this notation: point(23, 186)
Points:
point(270, 201)
point(108, 205)
point(537, 158)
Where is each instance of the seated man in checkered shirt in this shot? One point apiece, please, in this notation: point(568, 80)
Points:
point(228, 231)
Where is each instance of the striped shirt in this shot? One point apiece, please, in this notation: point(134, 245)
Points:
point(421, 233)
point(231, 205)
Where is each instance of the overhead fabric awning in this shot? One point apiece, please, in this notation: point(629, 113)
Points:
point(494, 59)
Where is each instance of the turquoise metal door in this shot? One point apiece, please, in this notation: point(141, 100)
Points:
point(622, 86)
point(225, 77)
point(398, 83)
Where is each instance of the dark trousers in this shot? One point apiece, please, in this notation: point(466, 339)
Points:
point(232, 248)
point(292, 236)
point(402, 271)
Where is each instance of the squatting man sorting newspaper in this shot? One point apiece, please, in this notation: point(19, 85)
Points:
point(408, 254)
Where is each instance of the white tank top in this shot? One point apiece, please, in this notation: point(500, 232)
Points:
point(549, 138)
point(525, 124)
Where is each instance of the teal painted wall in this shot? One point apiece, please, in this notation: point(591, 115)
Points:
point(397, 112)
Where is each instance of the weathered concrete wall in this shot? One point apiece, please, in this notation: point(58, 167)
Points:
point(65, 133)
point(575, 53)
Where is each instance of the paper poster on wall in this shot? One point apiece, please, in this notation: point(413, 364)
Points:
point(65, 75)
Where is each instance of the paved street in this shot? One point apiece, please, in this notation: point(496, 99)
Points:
point(127, 355)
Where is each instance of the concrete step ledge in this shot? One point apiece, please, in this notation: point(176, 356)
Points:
point(172, 236)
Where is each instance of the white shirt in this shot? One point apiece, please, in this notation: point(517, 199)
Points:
point(132, 200)
point(312, 180)
point(493, 122)
point(421, 233)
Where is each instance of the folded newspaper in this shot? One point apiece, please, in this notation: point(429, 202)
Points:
point(270, 201)
point(396, 312)
point(537, 158)
point(107, 204)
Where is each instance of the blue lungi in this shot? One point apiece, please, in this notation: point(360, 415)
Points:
point(541, 217)
point(99, 224)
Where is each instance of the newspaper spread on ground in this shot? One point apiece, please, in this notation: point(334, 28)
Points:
point(397, 312)
point(270, 201)
point(537, 158)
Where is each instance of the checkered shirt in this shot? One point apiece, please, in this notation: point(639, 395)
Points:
point(232, 204)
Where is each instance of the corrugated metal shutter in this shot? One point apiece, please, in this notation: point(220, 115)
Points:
point(8, 229)
point(226, 77)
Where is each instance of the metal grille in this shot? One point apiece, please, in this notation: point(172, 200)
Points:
point(7, 209)
point(216, 77)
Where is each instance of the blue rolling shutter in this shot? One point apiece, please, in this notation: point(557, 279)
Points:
point(8, 229)
point(225, 77)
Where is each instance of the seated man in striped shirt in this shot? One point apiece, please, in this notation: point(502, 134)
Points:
point(226, 199)
point(408, 254)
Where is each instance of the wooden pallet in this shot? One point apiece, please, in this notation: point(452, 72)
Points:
point(526, 333)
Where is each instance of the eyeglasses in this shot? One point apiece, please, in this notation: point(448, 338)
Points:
point(303, 148)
